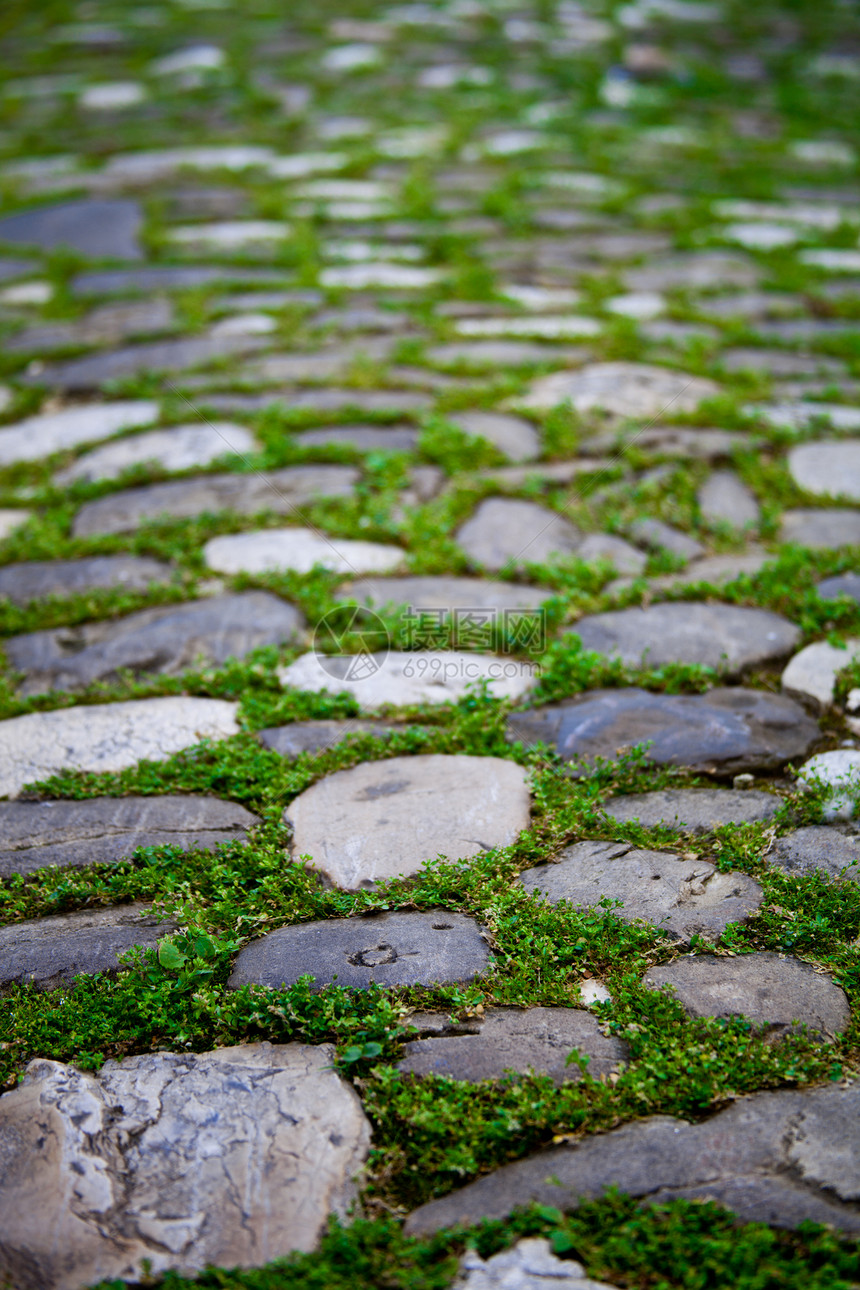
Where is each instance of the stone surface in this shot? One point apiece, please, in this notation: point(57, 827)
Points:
point(811, 674)
point(605, 546)
point(695, 810)
point(516, 438)
point(528, 1265)
point(50, 952)
point(35, 579)
point(316, 736)
point(180, 448)
point(659, 536)
point(390, 949)
point(680, 897)
point(504, 531)
point(173, 1159)
point(827, 468)
point(107, 736)
point(821, 530)
point(781, 1158)
point(422, 676)
point(154, 356)
point(383, 819)
point(839, 773)
point(441, 592)
point(164, 277)
point(621, 390)
point(108, 323)
point(278, 491)
point(728, 638)
point(843, 584)
point(362, 438)
point(104, 830)
point(301, 550)
point(818, 847)
point(166, 640)
point(726, 499)
point(91, 226)
point(723, 732)
point(518, 1039)
point(769, 989)
point(697, 271)
point(48, 432)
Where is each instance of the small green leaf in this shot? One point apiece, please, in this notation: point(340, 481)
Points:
point(170, 956)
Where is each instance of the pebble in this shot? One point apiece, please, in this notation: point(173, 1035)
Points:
point(299, 550)
point(278, 491)
point(528, 1265)
point(51, 952)
point(106, 737)
point(92, 227)
point(112, 96)
point(694, 810)
point(725, 499)
point(811, 674)
point(245, 1123)
point(385, 819)
point(838, 772)
point(318, 736)
point(769, 989)
point(724, 732)
point(47, 432)
point(422, 676)
point(818, 848)
point(621, 390)
point(504, 531)
point(179, 448)
point(33, 580)
point(843, 584)
point(434, 947)
point(680, 897)
point(514, 1039)
point(728, 638)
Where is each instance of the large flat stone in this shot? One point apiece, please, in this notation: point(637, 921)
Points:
point(166, 277)
point(728, 638)
point(104, 830)
point(439, 592)
point(154, 356)
point(173, 1160)
point(822, 848)
point(278, 491)
point(781, 1158)
point(504, 531)
point(300, 550)
point(35, 579)
point(387, 818)
point(107, 324)
point(621, 390)
point(695, 810)
point(91, 226)
point(435, 947)
point(422, 676)
point(50, 952)
point(723, 732)
point(166, 640)
point(514, 437)
point(679, 897)
point(827, 468)
point(362, 438)
point(539, 1039)
point(106, 737)
point(769, 989)
point(180, 448)
point(49, 432)
point(316, 736)
point(821, 530)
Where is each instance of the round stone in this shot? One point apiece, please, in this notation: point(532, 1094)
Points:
point(179, 448)
point(621, 390)
point(504, 531)
point(695, 810)
point(514, 437)
point(827, 468)
point(422, 676)
point(812, 673)
point(387, 818)
point(822, 848)
point(839, 773)
point(299, 550)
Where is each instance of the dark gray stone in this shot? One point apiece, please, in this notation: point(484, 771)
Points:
point(723, 732)
point(50, 952)
point(11, 268)
point(165, 640)
point(517, 1039)
point(843, 584)
point(693, 271)
point(108, 323)
point(818, 847)
point(671, 441)
point(769, 989)
point(501, 353)
point(156, 356)
point(206, 203)
point(328, 399)
point(728, 638)
point(104, 830)
point(696, 810)
point(439, 592)
point(110, 282)
point(658, 536)
point(505, 530)
point(316, 736)
point(277, 491)
point(821, 530)
point(679, 897)
point(779, 1158)
point(92, 226)
point(33, 580)
point(435, 947)
point(362, 438)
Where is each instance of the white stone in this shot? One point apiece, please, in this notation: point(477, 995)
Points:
point(387, 818)
point(832, 260)
point(362, 190)
point(250, 324)
point(836, 65)
point(301, 164)
point(828, 467)
point(539, 298)
point(804, 213)
point(528, 1265)
point(112, 95)
point(300, 550)
point(620, 389)
point(106, 736)
point(637, 304)
point(584, 184)
point(229, 234)
point(347, 211)
point(352, 250)
point(823, 152)
point(141, 167)
point(812, 673)
point(800, 415)
point(840, 772)
point(35, 292)
point(570, 327)
point(760, 236)
point(592, 991)
point(427, 676)
point(357, 277)
point(355, 57)
point(199, 58)
point(10, 520)
point(179, 448)
point(52, 431)
point(412, 141)
point(509, 143)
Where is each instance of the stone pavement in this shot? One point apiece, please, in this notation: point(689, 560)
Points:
point(407, 412)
